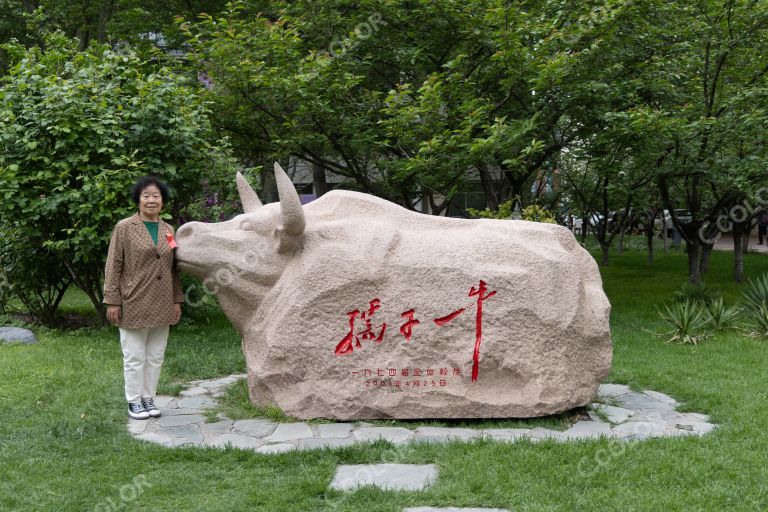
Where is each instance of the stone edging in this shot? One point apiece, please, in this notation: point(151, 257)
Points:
point(635, 416)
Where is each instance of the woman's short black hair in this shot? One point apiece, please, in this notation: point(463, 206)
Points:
point(145, 182)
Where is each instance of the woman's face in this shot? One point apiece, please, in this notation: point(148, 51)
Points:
point(150, 201)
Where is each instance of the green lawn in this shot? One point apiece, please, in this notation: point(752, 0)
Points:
point(64, 446)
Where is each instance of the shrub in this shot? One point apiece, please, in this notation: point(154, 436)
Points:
point(694, 293)
point(687, 319)
point(720, 316)
point(756, 294)
point(532, 212)
point(76, 130)
point(760, 318)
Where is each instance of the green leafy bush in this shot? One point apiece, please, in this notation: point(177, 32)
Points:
point(687, 319)
point(532, 212)
point(694, 293)
point(76, 130)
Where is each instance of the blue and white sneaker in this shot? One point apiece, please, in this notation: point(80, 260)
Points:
point(150, 407)
point(137, 411)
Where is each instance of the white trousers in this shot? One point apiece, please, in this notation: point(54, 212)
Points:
point(143, 354)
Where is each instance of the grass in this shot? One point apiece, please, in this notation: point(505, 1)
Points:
point(64, 446)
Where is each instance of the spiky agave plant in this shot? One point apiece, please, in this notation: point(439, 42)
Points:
point(756, 293)
point(760, 321)
point(687, 319)
point(721, 317)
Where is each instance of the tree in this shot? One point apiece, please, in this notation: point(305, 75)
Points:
point(702, 78)
point(404, 98)
point(76, 130)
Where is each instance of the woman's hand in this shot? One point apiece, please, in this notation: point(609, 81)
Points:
point(113, 313)
point(176, 313)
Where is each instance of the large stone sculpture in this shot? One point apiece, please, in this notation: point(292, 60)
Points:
point(352, 307)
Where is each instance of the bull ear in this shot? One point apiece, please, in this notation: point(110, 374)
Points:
point(291, 211)
point(248, 197)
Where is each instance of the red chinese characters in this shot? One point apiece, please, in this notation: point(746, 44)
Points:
point(480, 293)
point(352, 339)
point(406, 328)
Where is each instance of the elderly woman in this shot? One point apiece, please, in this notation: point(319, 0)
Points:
point(143, 293)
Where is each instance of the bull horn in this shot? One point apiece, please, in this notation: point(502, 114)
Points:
point(290, 206)
point(248, 196)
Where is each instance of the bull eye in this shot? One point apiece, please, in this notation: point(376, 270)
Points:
point(225, 276)
point(250, 256)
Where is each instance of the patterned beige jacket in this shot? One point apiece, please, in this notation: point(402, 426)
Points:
point(140, 276)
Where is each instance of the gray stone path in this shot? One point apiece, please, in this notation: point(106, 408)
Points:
point(17, 334)
point(631, 415)
point(393, 477)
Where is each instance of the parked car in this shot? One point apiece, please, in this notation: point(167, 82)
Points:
point(592, 221)
point(683, 216)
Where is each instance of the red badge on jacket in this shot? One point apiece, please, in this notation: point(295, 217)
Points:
point(171, 241)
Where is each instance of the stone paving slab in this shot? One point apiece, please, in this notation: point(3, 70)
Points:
point(17, 334)
point(506, 434)
point(289, 432)
point(588, 430)
point(614, 414)
point(391, 434)
point(633, 416)
point(394, 477)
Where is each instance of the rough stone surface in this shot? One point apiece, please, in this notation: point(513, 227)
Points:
point(255, 428)
point(289, 432)
point(614, 414)
point(506, 434)
point(338, 430)
point(587, 430)
point(319, 443)
point(276, 448)
point(17, 334)
point(395, 477)
point(264, 436)
point(237, 441)
point(197, 403)
point(612, 390)
point(291, 277)
point(391, 434)
point(541, 434)
point(177, 421)
point(190, 433)
point(447, 433)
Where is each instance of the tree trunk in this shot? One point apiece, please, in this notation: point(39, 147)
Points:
point(745, 239)
point(664, 233)
point(268, 192)
point(649, 242)
point(584, 226)
point(620, 249)
point(693, 249)
point(738, 252)
point(706, 251)
point(489, 187)
point(318, 180)
point(605, 251)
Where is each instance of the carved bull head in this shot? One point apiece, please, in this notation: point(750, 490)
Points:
point(274, 231)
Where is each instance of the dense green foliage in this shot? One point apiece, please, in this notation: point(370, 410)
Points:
point(76, 130)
